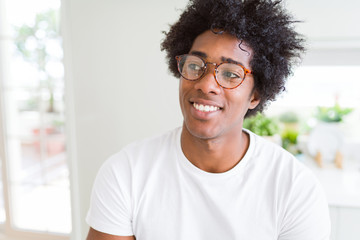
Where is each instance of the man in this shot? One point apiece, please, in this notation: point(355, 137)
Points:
point(212, 179)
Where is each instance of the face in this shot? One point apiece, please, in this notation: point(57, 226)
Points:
point(210, 111)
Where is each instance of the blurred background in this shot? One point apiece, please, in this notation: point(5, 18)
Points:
point(81, 79)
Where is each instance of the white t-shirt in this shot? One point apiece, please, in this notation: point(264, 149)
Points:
point(150, 190)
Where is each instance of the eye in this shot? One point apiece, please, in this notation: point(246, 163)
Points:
point(194, 66)
point(228, 74)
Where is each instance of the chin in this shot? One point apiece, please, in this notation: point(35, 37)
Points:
point(202, 132)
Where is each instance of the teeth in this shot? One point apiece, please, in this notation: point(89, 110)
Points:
point(205, 108)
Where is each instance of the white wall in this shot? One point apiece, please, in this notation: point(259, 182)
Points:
point(328, 20)
point(331, 28)
point(119, 88)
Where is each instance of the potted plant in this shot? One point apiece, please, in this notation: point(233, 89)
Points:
point(332, 114)
point(326, 138)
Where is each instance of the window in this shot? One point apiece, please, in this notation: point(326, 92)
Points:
point(320, 86)
point(35, 197)
point(323, 86)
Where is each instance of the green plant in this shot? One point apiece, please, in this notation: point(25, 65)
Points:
point(262, 125)
point(332, 114)
point(289, 136)
point(289, 139)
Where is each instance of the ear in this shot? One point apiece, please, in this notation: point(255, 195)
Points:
point(254, 99)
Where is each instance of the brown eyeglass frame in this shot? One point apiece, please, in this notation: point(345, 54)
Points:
point(246, 71)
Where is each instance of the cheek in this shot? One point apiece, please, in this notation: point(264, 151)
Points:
point(240, 102)
point(184, 87)
point(181, 89)
point(182, 93)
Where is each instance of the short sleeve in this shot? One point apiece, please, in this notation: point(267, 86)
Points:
point(110, 204)
point(306, 212)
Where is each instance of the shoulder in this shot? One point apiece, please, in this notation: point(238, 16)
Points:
point(301, 203)
point(154, 143)
point(282, 168)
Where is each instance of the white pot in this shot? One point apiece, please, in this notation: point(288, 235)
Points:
point(326, 139)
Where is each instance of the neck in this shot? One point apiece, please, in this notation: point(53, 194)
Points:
point(215, 155)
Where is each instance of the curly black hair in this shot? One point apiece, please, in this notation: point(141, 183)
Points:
point(263, 24)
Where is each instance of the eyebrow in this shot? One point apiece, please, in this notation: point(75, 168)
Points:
point(198, 53)
point(223, 59)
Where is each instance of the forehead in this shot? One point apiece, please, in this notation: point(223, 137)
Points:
point(217, 46)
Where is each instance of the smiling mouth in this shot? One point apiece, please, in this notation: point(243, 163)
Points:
point(205, 108)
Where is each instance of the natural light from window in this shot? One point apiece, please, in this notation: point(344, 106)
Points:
point(321, 86)
point(34, 114)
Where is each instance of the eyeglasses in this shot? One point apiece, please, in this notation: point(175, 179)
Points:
point(227, 75)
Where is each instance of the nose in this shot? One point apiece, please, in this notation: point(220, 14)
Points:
point(208, 84)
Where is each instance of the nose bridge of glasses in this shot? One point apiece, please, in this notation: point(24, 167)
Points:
point(211, 63)
point(215, 67)
point(208, 82)
point(211, 72)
